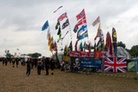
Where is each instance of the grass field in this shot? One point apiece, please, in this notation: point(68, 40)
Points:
point(15, 80)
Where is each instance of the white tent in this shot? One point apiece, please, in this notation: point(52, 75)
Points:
point(121, 52)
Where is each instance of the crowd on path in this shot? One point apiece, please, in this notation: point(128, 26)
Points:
point(44, 63)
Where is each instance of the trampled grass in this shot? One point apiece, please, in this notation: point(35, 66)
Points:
point(15, 80)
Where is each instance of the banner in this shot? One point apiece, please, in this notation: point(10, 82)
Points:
point(137, 65)
point(79, 63)
point(86, 62)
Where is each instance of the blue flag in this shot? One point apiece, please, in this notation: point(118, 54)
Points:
point(83, 28)
point(85, 34)
point(45, 26)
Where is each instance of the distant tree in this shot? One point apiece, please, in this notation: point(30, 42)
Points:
point(134, 51)
point(35, 55)
point(121, 44)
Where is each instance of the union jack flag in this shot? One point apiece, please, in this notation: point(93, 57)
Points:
point(114, 64)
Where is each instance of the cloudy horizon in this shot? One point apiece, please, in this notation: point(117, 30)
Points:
point(21, 22)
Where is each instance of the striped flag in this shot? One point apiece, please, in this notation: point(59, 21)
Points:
point(58, 9)
point(96, 21)
point(61, 17)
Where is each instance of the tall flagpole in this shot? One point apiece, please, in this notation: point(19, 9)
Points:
point(70, 30)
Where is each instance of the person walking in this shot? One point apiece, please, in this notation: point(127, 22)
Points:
point(52, 65)
point(47, 65)
point(13, 61)
point(17, 61)
point(39, 67)
point(28, 67)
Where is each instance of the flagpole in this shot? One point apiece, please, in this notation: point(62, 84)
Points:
point(70, 30)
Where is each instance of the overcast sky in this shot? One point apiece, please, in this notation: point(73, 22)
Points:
point(21, 22)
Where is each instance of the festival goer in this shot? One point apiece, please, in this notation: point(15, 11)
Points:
point(35, 62)
point(3, 61)
point(39, 67)
point(52, 65)
point(13, 62)
point(17, 61)
point(47, 65)
point(28, 67)
point(62, 65)
point(32, 63)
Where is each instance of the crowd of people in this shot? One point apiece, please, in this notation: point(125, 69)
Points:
point(44, 63)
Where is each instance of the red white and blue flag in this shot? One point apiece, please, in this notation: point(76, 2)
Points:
point(80, 15)
point(63, 16)
point(114, 64)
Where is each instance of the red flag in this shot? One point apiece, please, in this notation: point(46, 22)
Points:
point(76, 45)
point(64, 15)
point(80, 15)
point(82, 21)
point(108, 45)
point(97, 54)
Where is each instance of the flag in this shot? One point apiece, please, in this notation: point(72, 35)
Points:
point(64, 15)
point(100, 44)
point(95, 47)
point(85, 34)
point(65, 24)
point(57, 25)
point(70, 47)
point(45, 26)
point(66, 51)
point(75, 28)
point(114, 35)
point(108, 45)
point(81, 21)
point(114, 64)
point(76, 45)
point(50, 47)
point(54, 46)
point(50, 41)
point(59, 31)
point(89, 47)
point(81, 48)
point(82, 29)
point(97, 54)
point(96, 21)
point(114, 38)
point(59, 38)
point(85, 45)
point(58, 9)
point(98, 32)
point(48, 34)
point(81, 15)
